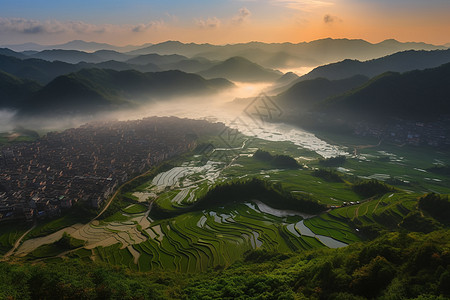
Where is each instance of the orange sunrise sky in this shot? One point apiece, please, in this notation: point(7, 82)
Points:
point(221, 22)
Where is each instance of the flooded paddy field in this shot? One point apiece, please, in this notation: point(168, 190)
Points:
point(197, 240)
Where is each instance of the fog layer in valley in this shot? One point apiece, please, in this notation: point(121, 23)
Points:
point(7, 122)
point(231, 107)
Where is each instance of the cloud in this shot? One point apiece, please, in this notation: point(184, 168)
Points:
point(34, 27)
point(148, 26)
point(303, 5)
point(329, 19)
point(30, 26)
point(242, 16)
point(25, 26)
point(208, 23)
point(171, 18)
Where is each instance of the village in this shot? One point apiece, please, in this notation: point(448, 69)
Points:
point(432, 134)
point(45, 178)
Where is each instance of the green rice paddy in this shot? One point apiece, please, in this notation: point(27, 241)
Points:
point(194, 241)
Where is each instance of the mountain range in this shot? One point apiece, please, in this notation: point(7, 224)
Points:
point(288, 54)
point(419, 95)
point(398, 62)
point(48, 67)
point(73, 45)
point(415, 95)
point(273, 55)
point(9, 52)
point(382, 87)
point(304, 95)
point(93, 90)
point(44, 71)
point(75, 56)
point(240, 69)
point(14, 91)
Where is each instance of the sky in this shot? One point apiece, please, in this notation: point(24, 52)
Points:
point(137, 22)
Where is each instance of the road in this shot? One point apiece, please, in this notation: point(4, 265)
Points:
point(115, 195)
point(19, 240)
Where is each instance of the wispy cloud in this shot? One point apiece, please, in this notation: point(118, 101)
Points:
point(35, 27)
point(303, 5)
point(242, 16)
point(147, 26)
point(27, 26)
point(329, 19)
point(210, 23)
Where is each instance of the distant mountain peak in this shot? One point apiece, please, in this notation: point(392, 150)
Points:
point(241, 69)
point(237, 59)
point(390, 41)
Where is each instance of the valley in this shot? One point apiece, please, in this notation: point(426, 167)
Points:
point(159, 223)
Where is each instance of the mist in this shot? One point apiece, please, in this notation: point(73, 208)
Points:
point(297, 70)
point(215, 106)
point(232, 107)
point(236, 107)
point(7, 122)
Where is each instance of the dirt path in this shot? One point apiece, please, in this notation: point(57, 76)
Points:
point(19, 240)
point(376, 206)
point(107, 205)
point(115, 195)
point(357, 211)
point(359, 147)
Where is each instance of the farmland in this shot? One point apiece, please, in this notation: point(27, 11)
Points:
point(162, 228)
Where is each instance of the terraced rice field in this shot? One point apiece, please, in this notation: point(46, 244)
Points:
point(196, 241)
point(200, 240)
point(388, 210)
point(181, 186)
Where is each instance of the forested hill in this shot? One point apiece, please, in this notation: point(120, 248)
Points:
point(92, 90)
point(416, 95)
point(393, 266)
point(398, 62)
point(304, 95)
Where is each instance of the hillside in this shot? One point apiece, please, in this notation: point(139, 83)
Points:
point(73, 45)
point(240, 69)
point(305, 94)
point(39, 70)
point(69, 94)
point(287, 78)
point(119, 66)
point(316, 52)
point(394, 266)
point(44, 71)
point(13, 90)
point(193, 65)
point(172, 47)
point(385, 243)
point(76, 56)
point(9, 52)
point(68, 56)
point(415, 95)
point(111, 55)
point(91, 90)
point(156, 59)
point(398, 62)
